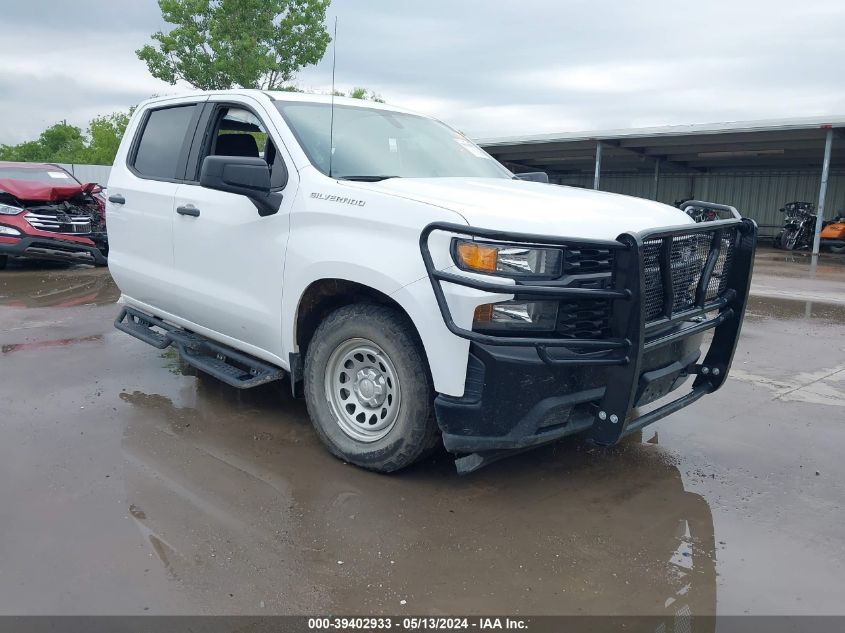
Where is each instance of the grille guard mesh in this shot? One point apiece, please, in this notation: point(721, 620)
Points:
point(664, 284)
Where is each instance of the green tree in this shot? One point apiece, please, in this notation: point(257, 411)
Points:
point(59, 143)
point(105, 133)
point(363, 93)
point(355, 93)
point(63, 143)
point(219, 44)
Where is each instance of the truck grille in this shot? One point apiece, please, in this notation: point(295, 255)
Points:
point(59, 222)
point(586, 267)
point(587, 260)
point(688, 255)
point(584, 318)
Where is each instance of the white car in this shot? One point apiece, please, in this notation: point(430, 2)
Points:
point(406, 283)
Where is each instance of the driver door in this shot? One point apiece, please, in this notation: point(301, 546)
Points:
point(228, 260)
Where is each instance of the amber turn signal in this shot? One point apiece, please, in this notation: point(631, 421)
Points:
point(483, 313)
point(477, 256)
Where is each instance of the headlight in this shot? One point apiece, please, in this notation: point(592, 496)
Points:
point(516, 315)
point(506, 260)
point(8, 230)
point(6, 209)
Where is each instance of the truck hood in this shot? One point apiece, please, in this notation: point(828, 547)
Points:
point(31, 191)
point(532, 207)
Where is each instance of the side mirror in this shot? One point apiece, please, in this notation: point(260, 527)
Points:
point(242, 175)
point(533, 176)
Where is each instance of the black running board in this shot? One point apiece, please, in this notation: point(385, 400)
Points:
point(221, 361)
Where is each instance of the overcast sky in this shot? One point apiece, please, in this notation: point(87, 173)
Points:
point(487, 67)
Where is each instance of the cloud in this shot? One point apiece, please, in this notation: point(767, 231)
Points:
point(79, 78)
point(487, 67)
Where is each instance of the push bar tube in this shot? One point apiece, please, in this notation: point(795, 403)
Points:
point(622, 353)
point(612, 351)
point(712, 205)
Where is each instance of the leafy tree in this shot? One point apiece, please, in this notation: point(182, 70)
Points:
point(25, 152)
point(363, 93)
point(105, 133)
point(219, 44)
point(63, 143)
point(60, 143)
point(355, 93)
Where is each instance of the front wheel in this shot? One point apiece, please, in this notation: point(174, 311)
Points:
point(789, 239)
point(368, 390)
point(833, 249)
point(4, 259)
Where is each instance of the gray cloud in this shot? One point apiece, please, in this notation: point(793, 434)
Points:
point(487, 67)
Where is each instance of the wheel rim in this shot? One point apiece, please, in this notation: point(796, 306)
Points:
point(362, 388)
point(789, 240)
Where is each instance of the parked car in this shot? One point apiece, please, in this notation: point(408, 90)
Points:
point(45, 213)
point(410, 287)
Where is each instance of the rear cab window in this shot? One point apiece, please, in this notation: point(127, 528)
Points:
point(162, 145)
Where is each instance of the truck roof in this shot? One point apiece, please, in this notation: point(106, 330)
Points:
point(283, 95)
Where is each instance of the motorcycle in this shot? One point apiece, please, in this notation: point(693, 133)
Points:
point(697, 213)
point(799, 228)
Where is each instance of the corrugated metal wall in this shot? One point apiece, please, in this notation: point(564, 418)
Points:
point(89, 173)
point(758, 195)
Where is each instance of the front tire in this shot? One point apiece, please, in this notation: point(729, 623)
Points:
point(368, 390)
point(4, 259)
point(789, 239)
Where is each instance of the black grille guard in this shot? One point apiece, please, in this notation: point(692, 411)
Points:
point(632, 335)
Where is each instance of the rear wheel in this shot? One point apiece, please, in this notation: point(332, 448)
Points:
point(367, 388)
point(4, 259)
point(833, 249)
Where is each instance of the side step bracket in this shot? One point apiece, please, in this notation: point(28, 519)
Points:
point(224, 363)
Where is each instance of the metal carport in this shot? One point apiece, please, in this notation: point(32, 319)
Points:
point(756, 166)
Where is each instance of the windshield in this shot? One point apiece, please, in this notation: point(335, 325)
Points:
point(371, 144)
point(51, 175)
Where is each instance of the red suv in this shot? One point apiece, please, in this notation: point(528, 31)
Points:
point(46, 213)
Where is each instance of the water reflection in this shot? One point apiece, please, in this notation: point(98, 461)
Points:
point(57, 288)
point(781, 309)
point(249, 504)
point(62, 342)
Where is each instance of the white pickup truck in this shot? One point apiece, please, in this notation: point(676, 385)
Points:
point(407, 284)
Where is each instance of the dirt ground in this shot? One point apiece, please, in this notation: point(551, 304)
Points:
point(131, 485)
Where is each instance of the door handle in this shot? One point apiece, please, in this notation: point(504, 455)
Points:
point(117, 199)
point(188, 209)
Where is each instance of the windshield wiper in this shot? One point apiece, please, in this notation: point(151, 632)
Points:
point(366, 178)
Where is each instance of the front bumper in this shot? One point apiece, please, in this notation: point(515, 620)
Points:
point(52, 249)
point(525, 391)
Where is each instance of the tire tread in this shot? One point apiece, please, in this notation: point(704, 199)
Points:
point(423, 434)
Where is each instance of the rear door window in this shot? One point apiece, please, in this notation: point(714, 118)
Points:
point(161, 148)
